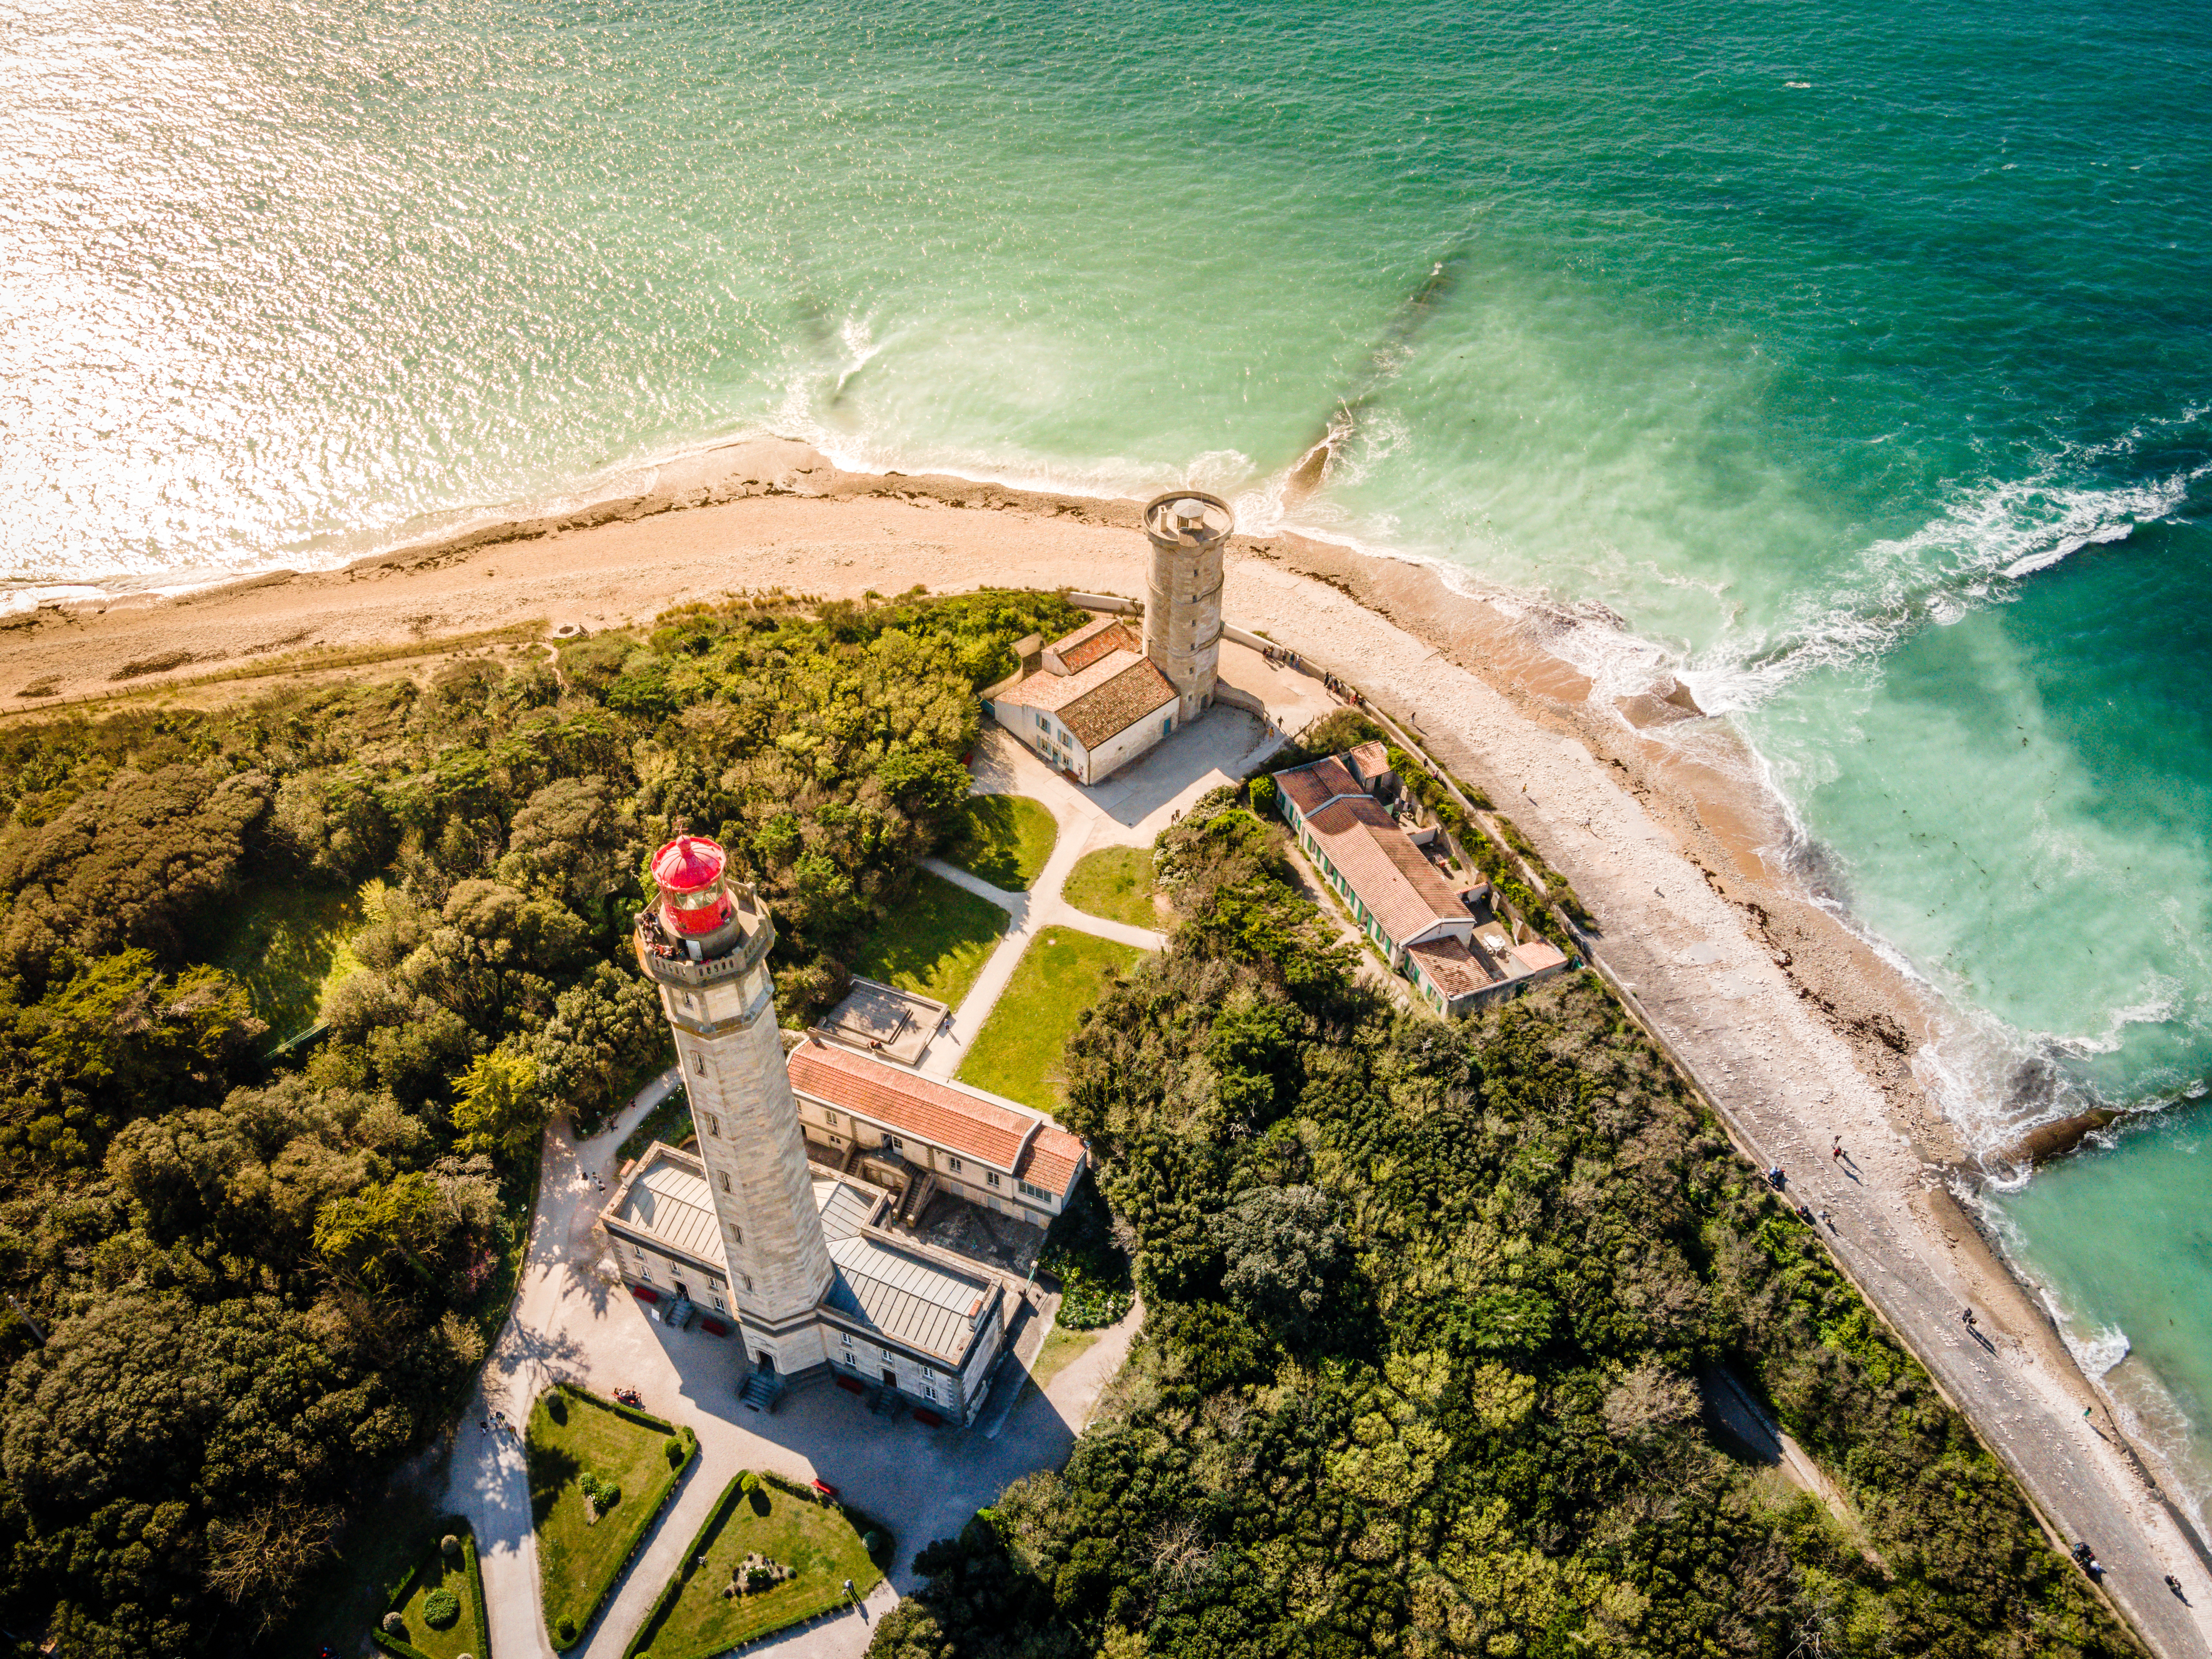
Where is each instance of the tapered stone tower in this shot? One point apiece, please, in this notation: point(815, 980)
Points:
point(704, 941)
point(1183, 597)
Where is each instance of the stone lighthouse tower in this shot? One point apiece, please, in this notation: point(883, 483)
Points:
point(705, 943)
point(1183, 597)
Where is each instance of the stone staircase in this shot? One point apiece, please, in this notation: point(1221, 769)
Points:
point(919, 1192)
point(759, 1391)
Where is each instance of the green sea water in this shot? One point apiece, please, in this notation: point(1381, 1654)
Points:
point(1852, 362)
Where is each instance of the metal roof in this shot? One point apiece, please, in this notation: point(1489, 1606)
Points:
point(845, 1208)
point(907, 1300)
point(668, 1201)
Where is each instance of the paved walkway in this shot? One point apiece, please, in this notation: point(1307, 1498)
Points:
point(573, 1320)
point(1129, 810)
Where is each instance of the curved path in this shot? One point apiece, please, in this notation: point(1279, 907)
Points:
point(573, 1320)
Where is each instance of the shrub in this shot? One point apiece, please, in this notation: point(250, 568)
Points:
point(1263, 794)
point(674, 1449)
point(440, 1609)
point(604, 1493)
point(875, 1543)
point(450, 1546)
point(749, 1483)
point(394, 1624)
point(566, 1630)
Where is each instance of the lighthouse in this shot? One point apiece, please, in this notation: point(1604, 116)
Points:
point(704, 941)
point(1189, 530)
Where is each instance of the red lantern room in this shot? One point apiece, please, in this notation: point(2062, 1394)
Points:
point(695, 898)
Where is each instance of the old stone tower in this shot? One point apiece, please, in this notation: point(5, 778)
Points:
point(705, 943)
point(1183, 596)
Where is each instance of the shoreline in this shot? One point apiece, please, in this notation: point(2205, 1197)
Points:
point(1798, 1027)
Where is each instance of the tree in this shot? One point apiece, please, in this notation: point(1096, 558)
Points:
point(1286, 1254)
point(605, 1028)
point(501, 1109)
point(569, 842)
point(128, 865)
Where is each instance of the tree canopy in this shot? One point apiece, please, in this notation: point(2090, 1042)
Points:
point(1431, 1312)
point(262, 1279)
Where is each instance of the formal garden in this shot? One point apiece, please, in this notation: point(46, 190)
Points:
point(771, 1555)
point(438, 1610)
point(598, 1474)
point(1017, 1053)
point(1003, 839)
point(1116, 883)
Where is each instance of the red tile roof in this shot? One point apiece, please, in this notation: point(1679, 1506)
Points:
point(1110, 709)
point(1401, 889)
point(1370, 760)
point(969, 1122)
point(1094, 640)
point(1451, 966)
point(1101, 700)
point(1312, 787)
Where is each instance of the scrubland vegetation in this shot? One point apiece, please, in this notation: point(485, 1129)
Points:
point(242, 1287)
point(1426, 1310)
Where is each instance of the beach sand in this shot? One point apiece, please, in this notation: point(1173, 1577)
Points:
point(1796, 1028)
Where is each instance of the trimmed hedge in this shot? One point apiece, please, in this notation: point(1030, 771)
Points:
point(458, 1526)
point(599, 1592)
point(741, 1484)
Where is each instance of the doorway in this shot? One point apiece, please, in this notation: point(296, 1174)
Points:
point(765, 1360)
point(890, 1377)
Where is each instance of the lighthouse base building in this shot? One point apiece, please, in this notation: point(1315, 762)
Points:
point(785, 1233)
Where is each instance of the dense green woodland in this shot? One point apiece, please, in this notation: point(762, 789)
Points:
point(243, 1285)
point(1426, 1310)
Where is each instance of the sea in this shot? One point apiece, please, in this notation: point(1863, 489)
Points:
point(1850, 361)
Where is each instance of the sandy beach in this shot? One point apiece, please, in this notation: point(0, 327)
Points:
point(1798, 1030)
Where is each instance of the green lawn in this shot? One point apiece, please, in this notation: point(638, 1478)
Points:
point(935, 943)
point(1116, 883)
point(286, 945)
point(819, 1542)
point(571, 1433)
point(1005, 839)
point(1017, 1052)
point(464, 1635)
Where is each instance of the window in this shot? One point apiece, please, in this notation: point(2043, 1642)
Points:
point(895, 1142)
point(1035, 1192)
point(644, 1267)
point(830, 1118)
point(699, 1064)
point(991, 1175)
point(845, 1337)
point(748, 1278)
point(929, 1391)
point(720, 1307)
point(737, 1234)
point(725, 1182)
point(953, 1165)
point(1167, 725)
point(690, 1001)
point(713, 1124)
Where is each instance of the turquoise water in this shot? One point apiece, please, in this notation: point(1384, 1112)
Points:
point(1853, 361)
